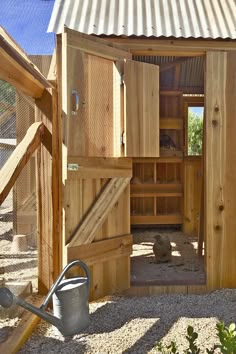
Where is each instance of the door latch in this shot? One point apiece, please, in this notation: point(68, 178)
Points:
point(75, 103)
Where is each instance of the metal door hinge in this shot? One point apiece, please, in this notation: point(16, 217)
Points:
point(123, 138)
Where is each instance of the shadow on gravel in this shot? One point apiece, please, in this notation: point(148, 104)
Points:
point(124, 314)
point(165, 312)
point(41, 343)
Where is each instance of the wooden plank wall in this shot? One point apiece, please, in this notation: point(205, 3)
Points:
point(112, 273)
point(192, 193)
point(220, 223)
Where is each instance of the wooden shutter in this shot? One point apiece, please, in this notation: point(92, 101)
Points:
point(91, 75)
point(141, 109)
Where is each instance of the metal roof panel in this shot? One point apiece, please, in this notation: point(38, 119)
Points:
point(168, 18)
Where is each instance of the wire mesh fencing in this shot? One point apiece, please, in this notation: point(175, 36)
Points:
point(18, 212)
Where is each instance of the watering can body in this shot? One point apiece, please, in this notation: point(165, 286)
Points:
point(70, 305)
point(70, 299)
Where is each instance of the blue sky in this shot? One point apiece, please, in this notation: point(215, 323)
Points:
point(197, 110)
point(27, 22)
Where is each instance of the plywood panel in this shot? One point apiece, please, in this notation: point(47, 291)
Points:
point(142, 109)
point(220, 168)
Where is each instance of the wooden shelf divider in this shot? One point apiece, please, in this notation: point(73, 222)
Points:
point(157, 183)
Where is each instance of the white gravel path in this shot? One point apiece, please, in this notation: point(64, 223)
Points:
point(133, 325)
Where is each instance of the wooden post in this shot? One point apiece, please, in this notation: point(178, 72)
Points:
point(220, 169)
point(49, 195)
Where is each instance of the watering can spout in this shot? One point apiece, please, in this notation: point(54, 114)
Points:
point(7, 299)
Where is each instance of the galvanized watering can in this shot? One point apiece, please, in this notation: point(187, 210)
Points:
point(70, 302)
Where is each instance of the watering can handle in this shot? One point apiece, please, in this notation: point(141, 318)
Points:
point(57, 282)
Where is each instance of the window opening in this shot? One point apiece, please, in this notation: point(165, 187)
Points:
point(195, 130)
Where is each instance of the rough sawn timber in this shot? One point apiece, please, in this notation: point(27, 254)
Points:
point(220, 167)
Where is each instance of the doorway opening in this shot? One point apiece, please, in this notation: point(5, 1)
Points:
point(166, 191)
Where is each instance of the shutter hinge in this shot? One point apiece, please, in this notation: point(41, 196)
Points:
point(123, 138)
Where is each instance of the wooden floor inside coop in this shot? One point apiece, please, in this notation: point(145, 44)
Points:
point(185, 267)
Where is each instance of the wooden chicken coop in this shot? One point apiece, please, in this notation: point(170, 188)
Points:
point(113, 153)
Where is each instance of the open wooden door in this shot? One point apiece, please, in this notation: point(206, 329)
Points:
point(141, 109)
point(96, 196)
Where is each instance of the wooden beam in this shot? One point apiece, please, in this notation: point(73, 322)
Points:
point(176, 76)
point(95, 46)
point(98, 212)
point(172, 47)
point(99, 251)
point(57, 160)
point(56, 186)
point(174, 63)
point(18, 70)
point(21, 333)
point(193, 101)
point(19, 159)
point(99, 167)
point(52, 74)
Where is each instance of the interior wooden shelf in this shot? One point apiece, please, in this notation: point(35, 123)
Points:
point(156, 219)
point(171, 93)
point(171, 153)
point(171, 123)
point(158, 190)
point(161, 159)
point(156, 194)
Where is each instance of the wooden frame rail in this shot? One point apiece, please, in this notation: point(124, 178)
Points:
point(18, 70)
point(36, 134)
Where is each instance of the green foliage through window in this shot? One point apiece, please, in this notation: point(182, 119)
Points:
point(195, 132)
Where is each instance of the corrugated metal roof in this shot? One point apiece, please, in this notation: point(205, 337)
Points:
point(177, 18)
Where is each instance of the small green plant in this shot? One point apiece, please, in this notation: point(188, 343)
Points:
point(226, 335)
point(168, 349)
point(191, 338)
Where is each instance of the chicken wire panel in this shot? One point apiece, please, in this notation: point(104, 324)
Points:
point(18, 213)
point(94, 125)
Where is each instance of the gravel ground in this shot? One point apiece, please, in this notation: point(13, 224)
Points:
point(133, 325)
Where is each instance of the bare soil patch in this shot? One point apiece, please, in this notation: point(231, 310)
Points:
point(185, 267)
